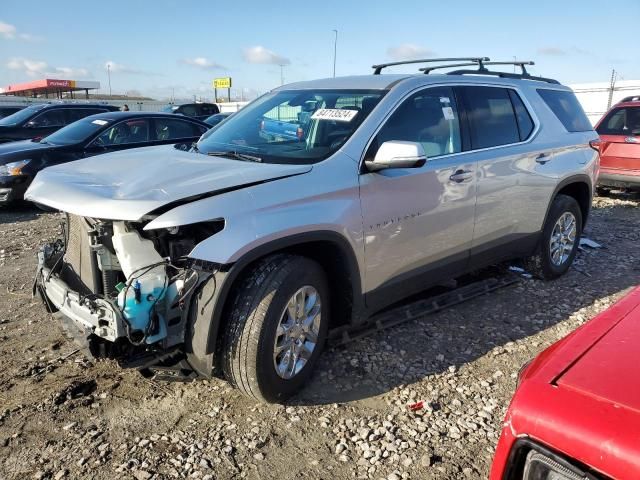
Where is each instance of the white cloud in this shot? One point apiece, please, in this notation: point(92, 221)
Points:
point(70, 72)
point(202, 62)
point(31, 68)
point(553, 51)
point(259, 54)
point(35, 68)
point(120, 68)
point(10, 32)
point(7, 30)
point(408, 51)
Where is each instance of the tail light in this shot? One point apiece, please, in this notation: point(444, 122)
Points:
point(595, 144)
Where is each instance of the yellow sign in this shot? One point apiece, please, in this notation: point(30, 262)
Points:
point(224, 82)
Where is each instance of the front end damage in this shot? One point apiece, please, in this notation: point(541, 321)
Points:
point(122, 292)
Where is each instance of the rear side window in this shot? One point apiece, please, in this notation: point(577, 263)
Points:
point(566, 107)
point(208, 110)
point(188, 110)
point(50, 118)
point(492, 120)
point(621, 121)
point(525, 124)
point(173, 129)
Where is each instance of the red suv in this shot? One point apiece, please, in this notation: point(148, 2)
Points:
point(576, 412)
point(619, 145)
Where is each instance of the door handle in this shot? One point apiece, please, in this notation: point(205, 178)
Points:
point(543, 158)
point(460, 176)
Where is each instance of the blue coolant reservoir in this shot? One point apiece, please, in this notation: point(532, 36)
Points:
point(137, 307)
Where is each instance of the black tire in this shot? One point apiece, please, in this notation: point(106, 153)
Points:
point(540, 264)
point(248, 341)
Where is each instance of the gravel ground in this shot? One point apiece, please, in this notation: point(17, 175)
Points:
point(64, 416)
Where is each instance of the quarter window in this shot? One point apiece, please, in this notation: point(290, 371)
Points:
point(566, 107)
point(429, 117)
point(492, 120)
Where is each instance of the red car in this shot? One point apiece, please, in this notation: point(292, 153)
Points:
point(619, 145)
point(576, 411)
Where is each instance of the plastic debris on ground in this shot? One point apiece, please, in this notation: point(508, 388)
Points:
point(414, 407)
point(587, 242)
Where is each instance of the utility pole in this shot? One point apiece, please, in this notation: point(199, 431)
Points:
point(109, 75)
point(335, 51)
point(611, 88)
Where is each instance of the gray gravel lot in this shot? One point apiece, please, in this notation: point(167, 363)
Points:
point(64, 416)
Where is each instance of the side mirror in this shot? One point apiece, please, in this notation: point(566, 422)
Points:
point(397, 154)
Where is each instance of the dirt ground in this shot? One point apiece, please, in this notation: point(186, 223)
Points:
point(64, 416)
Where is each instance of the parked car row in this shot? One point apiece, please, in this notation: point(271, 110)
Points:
point(95, 134)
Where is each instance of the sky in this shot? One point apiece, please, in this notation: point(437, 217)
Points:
point(165, 48)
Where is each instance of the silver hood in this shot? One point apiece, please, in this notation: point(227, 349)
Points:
point(127, 185)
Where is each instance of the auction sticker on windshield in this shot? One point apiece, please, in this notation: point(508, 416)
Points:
point(336, 114)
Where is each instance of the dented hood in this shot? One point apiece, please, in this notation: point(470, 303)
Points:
point(127, 185)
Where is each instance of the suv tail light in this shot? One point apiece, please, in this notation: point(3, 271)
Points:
point(595, 144)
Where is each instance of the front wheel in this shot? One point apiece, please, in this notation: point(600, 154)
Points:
point(559, 241)
point(277, 327)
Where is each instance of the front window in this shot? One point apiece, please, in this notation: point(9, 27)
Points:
point(21, 116)
point(295, 126)
point(76, 132)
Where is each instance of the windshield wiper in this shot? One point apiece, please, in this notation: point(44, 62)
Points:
point(236, 155)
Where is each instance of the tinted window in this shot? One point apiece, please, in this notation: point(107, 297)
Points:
point(525, 124)
point(492, 120)
point(50, 118)
point(621, 121)
point(173, 128)
point(188, 110)
point(78, 113)
point(130, 131)
point(206, 109)
point(429, 117)
point(566, 107)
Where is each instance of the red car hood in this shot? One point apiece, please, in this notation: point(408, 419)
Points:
point(609, 370)
point(581, 396)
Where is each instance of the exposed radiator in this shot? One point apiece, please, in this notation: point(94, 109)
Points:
point(80, 269)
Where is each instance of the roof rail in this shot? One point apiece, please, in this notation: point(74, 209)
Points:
point(524, 75)
point(632, 98)
point(474, 61)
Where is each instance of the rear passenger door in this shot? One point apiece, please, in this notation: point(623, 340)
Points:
point(418, 222)
point(510, 193)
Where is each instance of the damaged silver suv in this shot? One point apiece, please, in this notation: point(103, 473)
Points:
point(316, 205)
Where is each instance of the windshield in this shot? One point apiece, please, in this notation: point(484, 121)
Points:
point(76, 132)
point(19, 117)
point(296, 127)
point(169, 108)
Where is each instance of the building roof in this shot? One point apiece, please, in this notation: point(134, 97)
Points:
point(48, 85)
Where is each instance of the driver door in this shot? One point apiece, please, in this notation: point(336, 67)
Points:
point(418, 222)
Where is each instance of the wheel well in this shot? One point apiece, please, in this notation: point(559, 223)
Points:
point(582, 193)
point(342, 277)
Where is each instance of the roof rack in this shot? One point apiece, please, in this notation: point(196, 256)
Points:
point(472, 61)
point(632, 98)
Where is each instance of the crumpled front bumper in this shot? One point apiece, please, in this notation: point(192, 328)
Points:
point(92, 315)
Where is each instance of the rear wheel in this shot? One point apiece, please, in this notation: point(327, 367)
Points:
point(277, 327)
point(560, 239)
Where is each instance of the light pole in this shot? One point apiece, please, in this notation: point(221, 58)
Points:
point(335, 50)
point(109, 75)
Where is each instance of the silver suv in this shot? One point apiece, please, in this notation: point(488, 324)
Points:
point(315, 206)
